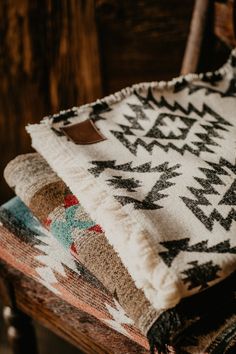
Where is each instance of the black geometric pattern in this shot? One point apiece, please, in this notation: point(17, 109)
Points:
point(149, 202)
point(180, 132)
point(200, 274)
point(101, 166)
point(165, 173)
point(139, 115)
point(182, 245)
point(213, 79)
point(97, 110)
point(170, 127)
point(192, 88)
point(214, 178)
point(133, 121)
point(130, 184)
point(64, 116)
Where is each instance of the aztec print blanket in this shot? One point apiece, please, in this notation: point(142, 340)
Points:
point(56, 208)
point(31, 249)
point(154, 165)
point(54, 205)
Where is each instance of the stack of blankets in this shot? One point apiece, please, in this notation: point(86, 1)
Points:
point(141, 188)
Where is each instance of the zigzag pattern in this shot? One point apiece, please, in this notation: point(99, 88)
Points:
point(149, 202)
point(212, 178)
point(229, 92)
point(200, 275)
point(97, 110)
point(177, 106)
point(134, 120)
point(154, 195)
point(130, 184)
point(176, 246)
point(207, 139)
point(126, 167)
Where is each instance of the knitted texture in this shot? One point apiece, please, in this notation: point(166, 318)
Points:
point(192, 326)
point(54, 205)
point(31, 249)
point(162, 184)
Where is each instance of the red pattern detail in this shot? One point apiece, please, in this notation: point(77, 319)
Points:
point(73, 249)
point(47, 223)
point(70, 200)
point(96, 228)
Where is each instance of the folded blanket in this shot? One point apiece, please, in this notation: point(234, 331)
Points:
point(55, 206)
point(25, 245)
point(154, 165)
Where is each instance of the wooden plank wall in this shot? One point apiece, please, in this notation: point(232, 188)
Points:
point(57, 54)
point(49, 60)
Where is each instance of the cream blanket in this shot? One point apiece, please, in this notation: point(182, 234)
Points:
point(160, 178)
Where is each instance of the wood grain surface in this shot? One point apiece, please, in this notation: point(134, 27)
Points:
point(142, 40)
point(49, 60)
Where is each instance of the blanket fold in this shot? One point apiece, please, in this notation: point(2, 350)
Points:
point(190, 327)
point(141, 186)
point(162, 183)
point(52, 203)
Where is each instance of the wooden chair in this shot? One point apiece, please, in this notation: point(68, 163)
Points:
point(222, 18)
point(25, 299)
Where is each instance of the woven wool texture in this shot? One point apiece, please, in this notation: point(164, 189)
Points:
point(162, 184)
point(31, 249)
point(54, 205)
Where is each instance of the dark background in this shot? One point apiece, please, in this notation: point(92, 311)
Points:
point(55, 54)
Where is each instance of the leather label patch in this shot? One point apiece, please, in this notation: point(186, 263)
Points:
point(83, 133)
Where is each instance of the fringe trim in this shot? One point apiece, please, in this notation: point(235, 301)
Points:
point(160, 285)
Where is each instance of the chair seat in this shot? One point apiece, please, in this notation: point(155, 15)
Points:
point(29, 248)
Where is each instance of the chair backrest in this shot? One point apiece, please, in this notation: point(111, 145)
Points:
point(222, 17)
